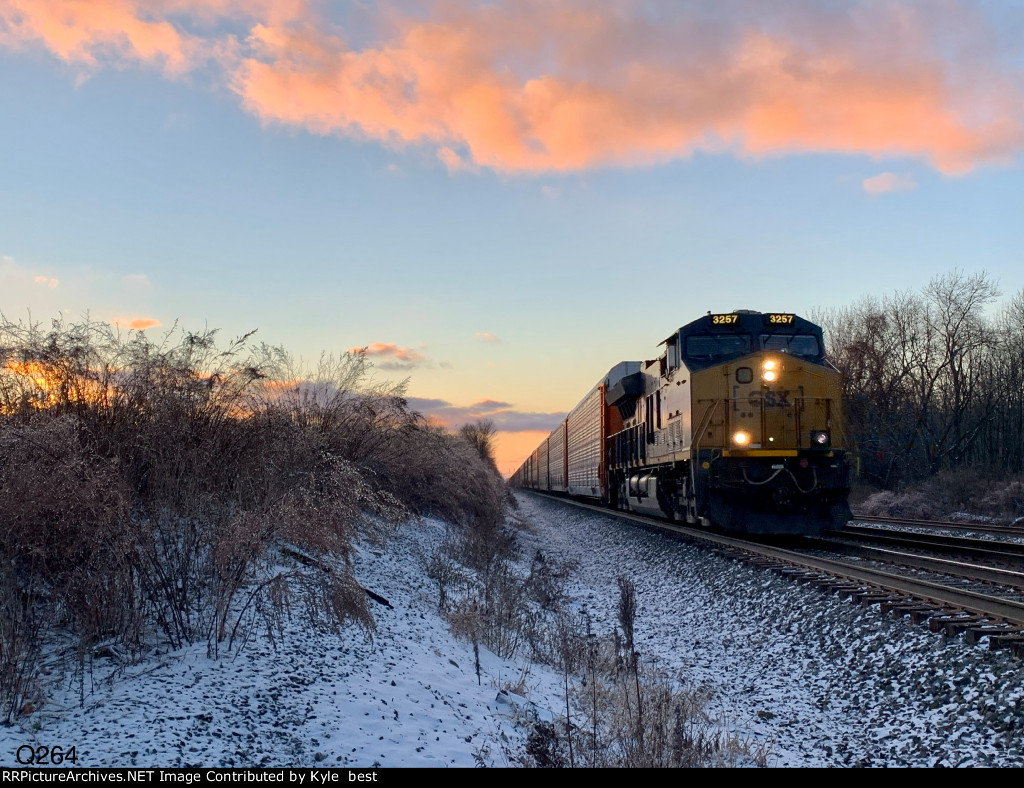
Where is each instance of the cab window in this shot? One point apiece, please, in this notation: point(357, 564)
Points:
point(712, 347)
point(803, 345)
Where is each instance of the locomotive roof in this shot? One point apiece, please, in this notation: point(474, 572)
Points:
point(748, 320)
point(745, 322)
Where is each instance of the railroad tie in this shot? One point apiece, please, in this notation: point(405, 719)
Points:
point(1010, 640)
point(922, 613)
point(846, 589)
point(901, 604)
point(955, 623)
point(973, 635)
point(795, 572)
point(872, 596)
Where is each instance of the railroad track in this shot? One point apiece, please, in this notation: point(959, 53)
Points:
point(999, 529)
point(987, 550)
point(997, 572)
point(942, 605)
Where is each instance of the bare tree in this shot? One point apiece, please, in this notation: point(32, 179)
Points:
point(959, 340)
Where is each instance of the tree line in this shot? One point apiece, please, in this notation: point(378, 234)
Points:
point(932, 381)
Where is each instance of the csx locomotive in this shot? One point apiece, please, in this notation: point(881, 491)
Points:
point(736, 425)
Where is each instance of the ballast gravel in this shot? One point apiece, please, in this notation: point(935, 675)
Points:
point(818, 680)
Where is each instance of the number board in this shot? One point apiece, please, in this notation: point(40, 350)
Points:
point(777, 319)
point(725, 320)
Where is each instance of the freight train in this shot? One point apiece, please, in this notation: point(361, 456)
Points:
point(737, 425)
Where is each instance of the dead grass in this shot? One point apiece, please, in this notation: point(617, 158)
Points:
point(144, 486)
point(950, 494)
point(618, 711)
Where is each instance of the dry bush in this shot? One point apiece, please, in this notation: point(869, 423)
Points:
point(638, 718)
point(621, 712)
point(147, 483)
point(451, 577)
point(488, 600)
point(21, 631)
point(319, 519)
point(491, 607)
point(64, 526)
point(911, 504)
point(508, 619)
point(479, 589)
point(174, 576)
point(546, 582)
point(950, 493)
point(440, 475)
point(1005, 499)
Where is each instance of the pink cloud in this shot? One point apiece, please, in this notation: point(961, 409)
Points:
point(487, 336)
point(888, 182)
point(567, 85)
point(394, 356)
point(87, 32)
point(452, 160)
point(137, 323)
point(624, 96)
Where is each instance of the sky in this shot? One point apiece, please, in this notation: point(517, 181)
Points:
point(502, 200)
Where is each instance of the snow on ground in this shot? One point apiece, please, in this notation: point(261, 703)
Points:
point(816, 679)
point(409, 698)
point(812, 679)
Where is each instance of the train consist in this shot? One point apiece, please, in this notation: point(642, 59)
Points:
point(736, 425)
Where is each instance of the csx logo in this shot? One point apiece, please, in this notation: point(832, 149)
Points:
point(771, 399)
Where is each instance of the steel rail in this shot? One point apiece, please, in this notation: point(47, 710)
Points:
point(934, 593)
point(1011, 552)
point(985, 574)
point(1003, 529)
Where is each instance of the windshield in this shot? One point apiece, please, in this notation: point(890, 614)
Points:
point(710, 347)
point(802, 345)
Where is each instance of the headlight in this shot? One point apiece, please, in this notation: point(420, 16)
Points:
point(819, 438)
point(769, 370)
point(741, 437)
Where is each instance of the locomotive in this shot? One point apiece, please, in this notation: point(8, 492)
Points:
point(737, 425)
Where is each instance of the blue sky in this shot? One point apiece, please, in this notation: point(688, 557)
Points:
point(485, 269)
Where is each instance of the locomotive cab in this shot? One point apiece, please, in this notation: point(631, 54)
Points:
point(736, 425)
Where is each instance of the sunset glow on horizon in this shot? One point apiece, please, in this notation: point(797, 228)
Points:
point(497, 202)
